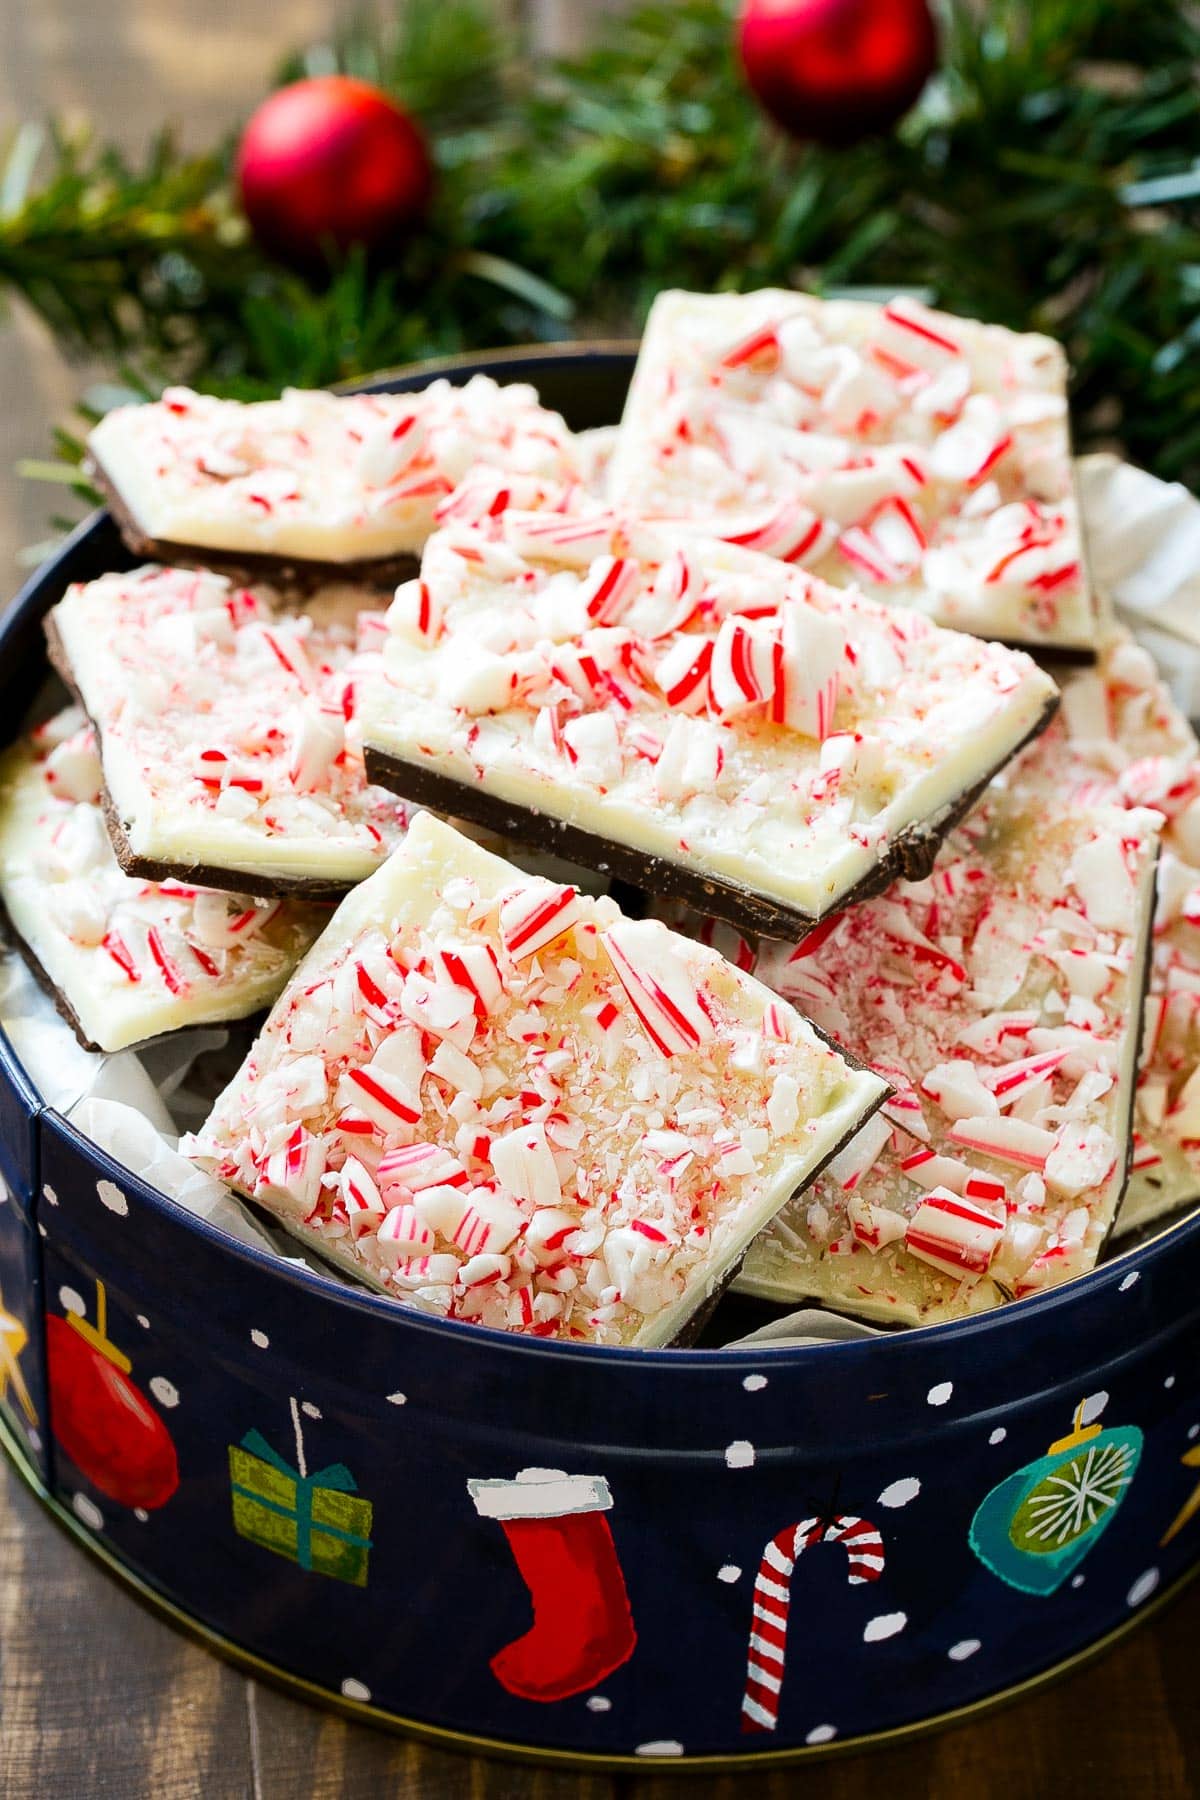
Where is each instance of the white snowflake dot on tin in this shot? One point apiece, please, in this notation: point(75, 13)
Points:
point(164, 1391)
point(397, 1399)
point(353, 1689)
point(260, 1340)
point(140, 1514)
point(72, 1302)
point(110, 1195)
point(87, 1511)
point(884, 1625)
point(309, 1410)
point(900, 1493)
point(1169, 1382)
point(1129, 1281)
point(965, 1647)
point(739, 1454)
point(728, 1572)
point(599, 1703)
point(998, 1436)
point(939, 1393)
point(143, 1321)
point(1193, 1433)
point(754, 1384)
point(821, 1734)
point(1142, 1588)
point(49, 1196)
point(660, 1747)
point(1077, 1581)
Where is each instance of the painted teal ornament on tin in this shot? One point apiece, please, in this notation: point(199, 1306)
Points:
point(1036, 1527)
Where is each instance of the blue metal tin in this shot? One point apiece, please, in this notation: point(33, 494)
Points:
point(574, 1552)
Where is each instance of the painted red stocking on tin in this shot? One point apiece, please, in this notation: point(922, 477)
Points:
point(560, 1539)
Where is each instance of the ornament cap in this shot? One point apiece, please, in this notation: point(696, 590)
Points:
point(97, 1335)
point(1078, 1434)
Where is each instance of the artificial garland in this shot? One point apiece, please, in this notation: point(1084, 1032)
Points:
point(1049, 177)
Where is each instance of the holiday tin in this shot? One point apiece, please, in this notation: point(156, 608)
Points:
point(586, 1554)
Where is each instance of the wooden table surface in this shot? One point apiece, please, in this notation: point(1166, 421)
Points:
point(97, 1697)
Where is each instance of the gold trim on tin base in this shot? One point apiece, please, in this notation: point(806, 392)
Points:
point(446, 1739)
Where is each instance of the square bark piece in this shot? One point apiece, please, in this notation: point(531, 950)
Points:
point(921, 456)
point(691, 717)
point(502, 1101)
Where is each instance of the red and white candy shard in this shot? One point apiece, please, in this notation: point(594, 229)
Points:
point(228, 727)
point(321, 477)
point(129, 958)
point(920, 456)
point(692, 701)
point(499, 1100)
point(997, 998)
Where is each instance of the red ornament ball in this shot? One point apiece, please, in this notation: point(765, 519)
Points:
point(105, 1423)
point(835, 71)
point(331, 162)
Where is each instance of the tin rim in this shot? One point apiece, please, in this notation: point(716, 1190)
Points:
point(1174, 1230)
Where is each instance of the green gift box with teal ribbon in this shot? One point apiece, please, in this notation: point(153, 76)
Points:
point(318, 1520)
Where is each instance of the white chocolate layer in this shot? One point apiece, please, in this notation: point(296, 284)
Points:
point(498, 1100)
point(696, 702)
point(227, 725)
point(318, 476)
point(129, 958)
point(923, 456)
point(1001, 997)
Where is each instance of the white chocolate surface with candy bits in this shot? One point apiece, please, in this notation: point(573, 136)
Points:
point(741, 721)
point(922, 456)
point(1001, 998)
point(227, 725)
point(129, 958)
point(316, 476)
point(1130, 745)
point(501, 1101)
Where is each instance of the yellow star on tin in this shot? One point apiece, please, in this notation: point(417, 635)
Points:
point(1190, 1507)
point(13, 1339)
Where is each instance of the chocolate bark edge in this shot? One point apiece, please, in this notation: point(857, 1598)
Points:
point(910, 855)
point(300, 572)
point(147, 868)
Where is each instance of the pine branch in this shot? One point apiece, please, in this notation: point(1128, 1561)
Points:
point(1050, 178)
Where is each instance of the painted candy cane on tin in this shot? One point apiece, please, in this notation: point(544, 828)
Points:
point(773, 1599)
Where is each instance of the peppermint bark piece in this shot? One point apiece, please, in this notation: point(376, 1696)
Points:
point(125, 959)
point(924, 456)
point(1129, 744)
point(501, 1101)
point(227, 729)
point(1002, 997)
point(691, 717)
point(315, 479)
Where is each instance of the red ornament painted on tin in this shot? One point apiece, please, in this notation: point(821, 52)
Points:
point(103, 1421)
point(835, 71)
point(330, 163)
